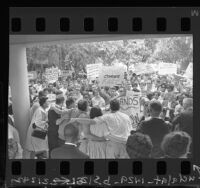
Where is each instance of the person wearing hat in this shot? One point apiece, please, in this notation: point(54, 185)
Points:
point(53, 116)
point(39, 122)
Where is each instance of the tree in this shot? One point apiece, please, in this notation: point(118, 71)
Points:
point(176, 49)
point(76, 56)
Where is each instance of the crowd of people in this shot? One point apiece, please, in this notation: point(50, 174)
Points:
point(85, 121)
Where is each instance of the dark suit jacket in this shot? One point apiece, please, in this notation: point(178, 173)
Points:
point(184, 122)
point(156, 129)
point(68, 152)
point(53, 129)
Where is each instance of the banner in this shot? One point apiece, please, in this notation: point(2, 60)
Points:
point(51, 74)
point(111, 76)
point(130, 105)
point(189, 71)
point(167, 68)
point(93, 70)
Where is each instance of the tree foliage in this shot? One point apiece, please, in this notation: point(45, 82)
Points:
point(76, 56)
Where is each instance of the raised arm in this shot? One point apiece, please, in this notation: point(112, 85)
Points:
point(61, 112)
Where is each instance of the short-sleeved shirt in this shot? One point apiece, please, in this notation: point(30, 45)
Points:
point(119, 125)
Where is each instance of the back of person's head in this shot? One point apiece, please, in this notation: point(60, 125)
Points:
point(60, 99)
point(71, 132)
point(114, 105)
point(41, 94)
point(45, 90)
point(69, 102)
point(139, 145)
point(155, 107)
point(150, 96)
point(42, 100)
point(176, 144)
point(82, 105)
point(187, 103)
point(95, 112)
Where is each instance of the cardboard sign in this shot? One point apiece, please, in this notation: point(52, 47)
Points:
point(51, 75)
point(189, 71)
point(111, 76)
point(167, 68)
point(93, 70)
point(130, 105)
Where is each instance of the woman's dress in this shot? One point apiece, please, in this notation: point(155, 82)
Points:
point(33, 143)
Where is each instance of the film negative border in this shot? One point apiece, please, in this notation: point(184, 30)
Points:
point(106, 21)
point(103, 20)
point(103, 173)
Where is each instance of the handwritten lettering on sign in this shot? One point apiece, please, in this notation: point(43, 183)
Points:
point(110, 180)
point(130, 105)
point(111, 76)
point(93, 70)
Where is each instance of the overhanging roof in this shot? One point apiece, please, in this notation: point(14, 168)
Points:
point(28, 40)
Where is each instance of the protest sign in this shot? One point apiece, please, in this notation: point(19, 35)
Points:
point(51, 97)
point(32, 75)
point(66, 73)
point(93, 70)
point(167, 68)
point(111, 76)
point(130, 105)
point(189, 71)
point(142, 68)
point(51, 75)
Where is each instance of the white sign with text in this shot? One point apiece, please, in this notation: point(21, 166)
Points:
point(130, 105)
point(111, 76)
point(93, 70)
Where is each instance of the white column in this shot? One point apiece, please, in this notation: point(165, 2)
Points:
point(18, 78)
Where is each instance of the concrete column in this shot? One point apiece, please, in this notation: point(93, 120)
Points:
point(18, 78)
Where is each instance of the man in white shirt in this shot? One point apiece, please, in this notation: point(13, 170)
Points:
point(97, 100)
point(119, 126)
point(64, 89)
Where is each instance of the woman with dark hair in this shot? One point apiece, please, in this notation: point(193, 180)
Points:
point(39, 122)
point(32, 94)
point(97, 149)
point(139, 146)
point(84, 129)
point(176, 144)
